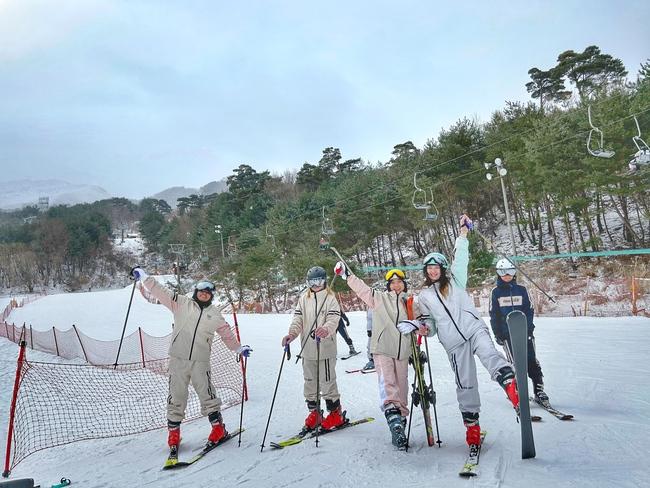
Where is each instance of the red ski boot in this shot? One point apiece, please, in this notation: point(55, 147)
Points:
point(217, 433)
point(313, 419)
point(174, 437)
point(335, 419)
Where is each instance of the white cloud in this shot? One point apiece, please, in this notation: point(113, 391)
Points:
point(27, 26)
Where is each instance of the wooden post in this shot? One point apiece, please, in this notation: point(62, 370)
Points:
point(80, 343)
point(56, 344)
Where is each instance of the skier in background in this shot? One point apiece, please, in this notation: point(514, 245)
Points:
point(341, 329)
point(316, 317)
point(448, 310)
point(195, 322)
point(508, 295)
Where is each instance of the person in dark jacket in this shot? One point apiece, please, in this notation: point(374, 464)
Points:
point(341, 329)
point(508, 295)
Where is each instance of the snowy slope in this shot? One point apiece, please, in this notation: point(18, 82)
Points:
point(596, 368)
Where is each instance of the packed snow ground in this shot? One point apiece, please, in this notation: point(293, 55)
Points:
point(595, 368)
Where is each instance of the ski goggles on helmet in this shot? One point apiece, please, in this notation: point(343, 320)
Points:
point(392, 274)
point(507, 271)
point(206, 286)
point(436, 258)
point(314, 282)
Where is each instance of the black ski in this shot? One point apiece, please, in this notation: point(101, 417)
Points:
point(552, 410)
point(199, 455)
point(470, 468)
point(518, 328)
point(302, 435)
point(343, 358)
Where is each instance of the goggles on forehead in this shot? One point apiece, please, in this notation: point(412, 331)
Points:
point(205, 286)
point(508, 271)
point(395, 273)
point(313, 282)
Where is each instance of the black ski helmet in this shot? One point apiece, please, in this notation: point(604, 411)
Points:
point(315, 273)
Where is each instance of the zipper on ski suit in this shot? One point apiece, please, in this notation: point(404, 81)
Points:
point(196, 328)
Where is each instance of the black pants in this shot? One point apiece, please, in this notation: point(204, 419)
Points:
point(344, 333)
point(534, 368)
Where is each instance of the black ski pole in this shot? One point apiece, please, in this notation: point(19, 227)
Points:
point(128, 310)
point(433, 392)
point(285, 354)
point(243, 390)
point(311, 329)
point(503, 256)
point(318, 416)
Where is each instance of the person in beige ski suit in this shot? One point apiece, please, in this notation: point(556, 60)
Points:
point(195, 322)
point(389, 347)
point(315, 320)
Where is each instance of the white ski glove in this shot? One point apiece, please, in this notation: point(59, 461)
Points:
point(341, 270)
point(408, 326)
point(138, 274)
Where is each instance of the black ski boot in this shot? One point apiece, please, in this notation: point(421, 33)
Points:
point(396, 424)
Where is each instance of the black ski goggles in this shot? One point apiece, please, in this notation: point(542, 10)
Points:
point(206, 286)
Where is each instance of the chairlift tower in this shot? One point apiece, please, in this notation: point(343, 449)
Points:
point(501, 172)
point(179, 251)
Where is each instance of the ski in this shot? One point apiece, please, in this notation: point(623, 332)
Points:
point(552, 410)
point(361, 370)
point(470, 468)
point(208, 447)
point(422, 394)
point(350, 355)
point(29, 483)
point(518, 328)
point(297, 439)
point(172, 459)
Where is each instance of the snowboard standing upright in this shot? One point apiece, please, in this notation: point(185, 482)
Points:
point(518, 328)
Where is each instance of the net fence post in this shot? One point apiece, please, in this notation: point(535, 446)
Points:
point(243, 366)
point(12, 410)
point(56, 344)
point(80, 343)
point(141, 346)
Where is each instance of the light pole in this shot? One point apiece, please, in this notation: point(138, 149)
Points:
point(501, 172)
point(217, 229)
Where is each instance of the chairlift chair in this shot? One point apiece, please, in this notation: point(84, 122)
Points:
point(600, 151)
point(327, 227)
point(642, 156)
point(431, 215)
point(324, 243)
point(419, 198)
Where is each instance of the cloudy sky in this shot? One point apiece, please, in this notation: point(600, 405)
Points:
point(137, 95)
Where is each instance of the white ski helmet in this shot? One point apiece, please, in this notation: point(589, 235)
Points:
point(505, 267)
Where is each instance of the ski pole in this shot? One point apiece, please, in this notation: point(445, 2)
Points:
point(243, 391)
point(128, 310)
point(285, 354)
point(311, 329)
point(503, 256)
point(433, 392)
point(318, 416)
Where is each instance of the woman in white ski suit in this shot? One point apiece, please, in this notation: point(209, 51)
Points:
point(448, 309)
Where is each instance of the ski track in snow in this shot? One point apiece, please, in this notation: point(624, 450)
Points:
point(595, 369)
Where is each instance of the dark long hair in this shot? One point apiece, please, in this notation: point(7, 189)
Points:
point(443, 280)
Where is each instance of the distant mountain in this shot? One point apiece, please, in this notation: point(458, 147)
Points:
point(20, 193)
point(170, 195)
